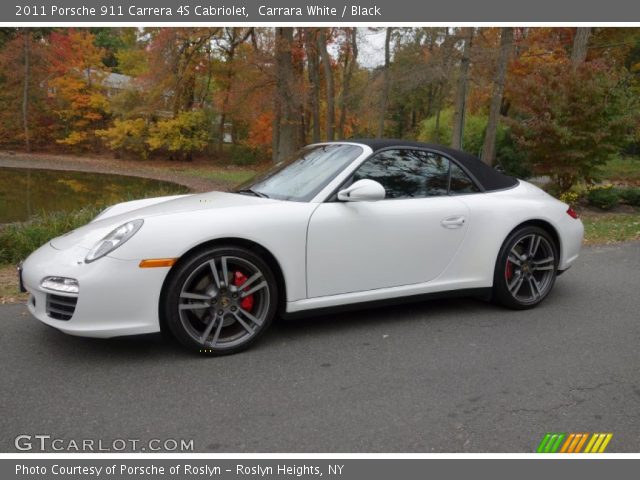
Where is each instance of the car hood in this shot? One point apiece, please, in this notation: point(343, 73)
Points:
point(114, 216)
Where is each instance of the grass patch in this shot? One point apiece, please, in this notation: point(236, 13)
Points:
point(18, 240)
point(228, 177)
point(9, 292)
point(621, 169)
point(611, 228)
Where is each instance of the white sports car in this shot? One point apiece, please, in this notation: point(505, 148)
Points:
point(339, 224)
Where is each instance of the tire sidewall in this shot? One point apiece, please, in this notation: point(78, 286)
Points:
point(179, 274)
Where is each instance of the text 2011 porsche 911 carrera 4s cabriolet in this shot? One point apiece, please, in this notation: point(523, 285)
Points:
point(340, 223)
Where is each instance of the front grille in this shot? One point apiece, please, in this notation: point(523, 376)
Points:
point(61, 308)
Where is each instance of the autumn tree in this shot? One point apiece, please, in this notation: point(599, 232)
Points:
point(228, 44)
point(181, 136)
point(575, 118)
point(75, 85)
point(23, 102)
point(176, 60)
point(489, 147)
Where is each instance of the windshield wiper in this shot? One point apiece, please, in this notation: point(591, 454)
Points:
point(252, 192)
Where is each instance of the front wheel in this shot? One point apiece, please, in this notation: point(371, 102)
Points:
point(526, 269)
point(220, 300)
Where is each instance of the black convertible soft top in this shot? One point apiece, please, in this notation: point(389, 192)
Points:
point(487, 178)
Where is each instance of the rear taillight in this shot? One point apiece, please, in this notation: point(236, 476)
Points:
point(572, 213)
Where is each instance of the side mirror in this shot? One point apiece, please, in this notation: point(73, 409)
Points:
point(362, 191)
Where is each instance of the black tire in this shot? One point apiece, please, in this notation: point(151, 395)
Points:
point(522, 281)
point(208, 313)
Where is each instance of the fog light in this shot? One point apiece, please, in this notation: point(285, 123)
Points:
point(61, 284)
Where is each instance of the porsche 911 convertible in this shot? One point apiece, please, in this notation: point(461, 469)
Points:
point(347, 223)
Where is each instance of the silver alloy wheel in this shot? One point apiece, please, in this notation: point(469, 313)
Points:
point(224, 302)
point(530, 268)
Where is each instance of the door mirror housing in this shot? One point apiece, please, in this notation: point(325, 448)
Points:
point(365, 190)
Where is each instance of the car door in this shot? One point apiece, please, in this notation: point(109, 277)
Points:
point(407, 238)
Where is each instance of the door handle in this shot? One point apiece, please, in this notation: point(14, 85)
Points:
point(453, 222)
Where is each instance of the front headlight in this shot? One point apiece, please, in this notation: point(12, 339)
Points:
point(115, 239)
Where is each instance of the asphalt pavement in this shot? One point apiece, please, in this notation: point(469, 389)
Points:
point(440, 376)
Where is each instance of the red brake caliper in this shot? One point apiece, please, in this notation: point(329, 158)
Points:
point(508, 272)
point(246, 303)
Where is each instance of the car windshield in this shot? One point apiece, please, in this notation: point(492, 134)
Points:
point(304, 175)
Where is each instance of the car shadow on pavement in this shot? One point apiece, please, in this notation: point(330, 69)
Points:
point(452, 312)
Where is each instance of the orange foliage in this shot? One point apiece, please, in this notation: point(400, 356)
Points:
point(260, 132)
point(75, 86)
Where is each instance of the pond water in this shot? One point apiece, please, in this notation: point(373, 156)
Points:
point(27, 192)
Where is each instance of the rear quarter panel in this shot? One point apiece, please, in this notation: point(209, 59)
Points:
point(493, 215)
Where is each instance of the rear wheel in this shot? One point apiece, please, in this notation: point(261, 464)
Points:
point(526, 269)
point(220, 300)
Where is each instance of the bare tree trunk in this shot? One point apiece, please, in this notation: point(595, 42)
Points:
point(489, 147)
point(298, 71)
point(314, 80)
point(350, 65)
point(385, 81)
point(25, 89)
point(277, 101)
point(287, 129)
point(328, 73)
point(275, 130)
point(461, 91)
point(254, 39)
point(439, 95)
point(225, 99)
point(580, 44)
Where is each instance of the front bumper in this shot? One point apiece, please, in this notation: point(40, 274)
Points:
point(116, 297)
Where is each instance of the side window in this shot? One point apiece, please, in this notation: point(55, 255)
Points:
point(407, 173)
point(460, 182)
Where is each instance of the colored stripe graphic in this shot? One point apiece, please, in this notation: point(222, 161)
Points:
point(550, 443)
point(573, 442)
point(565, 447)
point(598, 443)
point(581, 443)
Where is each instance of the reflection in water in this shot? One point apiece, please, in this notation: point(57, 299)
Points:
point(27, 192)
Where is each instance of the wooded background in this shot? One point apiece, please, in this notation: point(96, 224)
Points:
point(545, 101)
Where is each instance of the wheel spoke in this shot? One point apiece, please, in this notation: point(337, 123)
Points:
point(514, 258)
point(516, 284)
point(225, 271)
point(207, 331)
point(260, 286)
point(217, 334)
point(535, 288)
point(249, 281)
point(195, 296)
point(533, 245)
point(251, 317)
point(194, 306)
point(243, 323)
point(544, 264)
point(214, 272)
